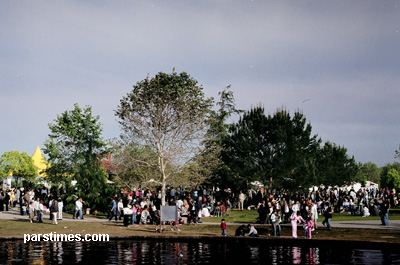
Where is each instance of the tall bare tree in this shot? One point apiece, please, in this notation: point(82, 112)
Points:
point(167, 112)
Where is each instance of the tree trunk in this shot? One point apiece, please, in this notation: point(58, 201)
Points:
point(164, 181)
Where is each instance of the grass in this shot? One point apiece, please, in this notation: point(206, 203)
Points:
point(17, 228)
point(250, 216)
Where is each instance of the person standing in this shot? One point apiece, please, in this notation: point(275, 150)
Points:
point(2, 197)
point(114, 209)
point(157, 221)
point(223, 227)
point(120, 209)
point(328, 213)
point(241, 201)
point(314, 214)
point(40, 213)
point(308, 226)
point(384, 211)
point(7, 198)
point(36, 205)
point(60, 208)
point(54, 211)
point(134, 213)
point(31, 210)
point(78, 208)
point(262, 210)
point(296, 217)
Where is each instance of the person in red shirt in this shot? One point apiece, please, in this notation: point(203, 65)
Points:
point(223, 227)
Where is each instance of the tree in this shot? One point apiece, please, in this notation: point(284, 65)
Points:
point(209, 167)
point(334, 166)
point(390, 176)
point(20, 165)
point(134, 164)
point(393, 179)
point(277, 150)
point(397, 153)
point(75, 148)
point(369, 171)
point(168, 113)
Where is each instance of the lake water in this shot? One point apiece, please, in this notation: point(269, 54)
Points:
point(188, 252)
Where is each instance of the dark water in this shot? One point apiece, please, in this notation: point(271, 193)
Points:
point(191, 252)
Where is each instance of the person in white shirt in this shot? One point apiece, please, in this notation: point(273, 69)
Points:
point(296, 207)
point(60, 208)
point(179, 203)
point(252, 231)
point(205, 212)
point(241, 201)
point(78, 208)
point(366, 211)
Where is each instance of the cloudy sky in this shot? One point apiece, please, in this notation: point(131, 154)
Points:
point(336, 61)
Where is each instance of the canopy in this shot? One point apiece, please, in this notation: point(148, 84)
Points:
point(40, 162)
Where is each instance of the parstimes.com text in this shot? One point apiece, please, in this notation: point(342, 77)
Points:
point(53, 236)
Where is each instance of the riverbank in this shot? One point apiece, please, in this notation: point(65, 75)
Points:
point(14, 226)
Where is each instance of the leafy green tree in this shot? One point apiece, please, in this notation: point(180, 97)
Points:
point(20, 165)
point(74, 148)
point(277, 150)
point(334, 166)
point(393, 179)
point(369, 171)
point(390, 176)
point(168, 113)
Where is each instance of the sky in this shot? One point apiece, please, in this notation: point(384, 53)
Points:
point(338, 62)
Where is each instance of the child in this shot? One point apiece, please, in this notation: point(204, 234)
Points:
point(174, 226)
point(223, 227)
point(24, 209)
point(308, 226)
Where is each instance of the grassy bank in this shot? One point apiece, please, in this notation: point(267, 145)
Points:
point(17, 228)
point(250, 216)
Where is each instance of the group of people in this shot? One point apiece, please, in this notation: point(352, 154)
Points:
point(144, 206)
point(274, 206)
point(36, 201)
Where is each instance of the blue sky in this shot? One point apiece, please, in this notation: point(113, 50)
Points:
point(343, 56)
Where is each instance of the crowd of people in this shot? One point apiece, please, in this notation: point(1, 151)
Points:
point(281, 206)
point(33, 202)
point(144, 205)
point(273, 206)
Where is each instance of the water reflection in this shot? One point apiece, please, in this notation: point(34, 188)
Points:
point(167, 252)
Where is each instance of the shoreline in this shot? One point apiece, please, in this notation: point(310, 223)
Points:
point(284, 240)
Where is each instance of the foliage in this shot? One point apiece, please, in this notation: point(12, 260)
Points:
point(368, 171)
point(168, 113)
point(390, 177)
point(277, 150)
point(75, 148)
point(334, 166)
point(397, 153)
point(20, 165)
point(134, 164)
point(209, 164)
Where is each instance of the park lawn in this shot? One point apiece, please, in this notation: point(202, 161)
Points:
point(250, 216)
point(17, 229)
